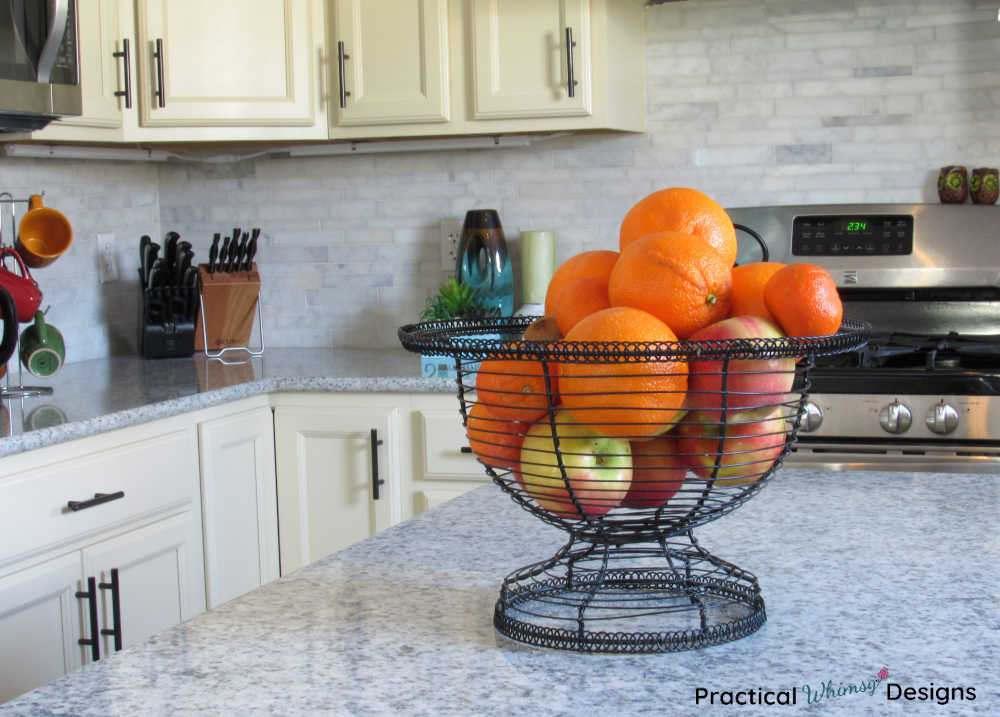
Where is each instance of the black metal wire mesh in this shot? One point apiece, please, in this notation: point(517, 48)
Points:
point(626, 446)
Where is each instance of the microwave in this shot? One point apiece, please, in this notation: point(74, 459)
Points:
point(39, 63)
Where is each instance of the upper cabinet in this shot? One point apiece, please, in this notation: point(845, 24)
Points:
point(390, 62)
point(283, 70)
point(224, 62)
point(184, 70)
point(530, 58)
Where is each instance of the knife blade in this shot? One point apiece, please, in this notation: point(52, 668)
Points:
point(213, 252)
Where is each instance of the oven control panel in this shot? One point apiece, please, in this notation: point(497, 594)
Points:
point(852, 235)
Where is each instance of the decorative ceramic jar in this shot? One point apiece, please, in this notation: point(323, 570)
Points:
point(984, 185)
point(953, 184)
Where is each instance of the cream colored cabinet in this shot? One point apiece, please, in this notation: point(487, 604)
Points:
point(338, 467)
point(105, 52)
point(119, 509)
point(531, 58)
point(225, 62)
point(444, 466)
point(389, 62)
point(239, 503)
point(40, 623)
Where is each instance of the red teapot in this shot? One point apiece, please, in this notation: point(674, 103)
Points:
point(22, 288)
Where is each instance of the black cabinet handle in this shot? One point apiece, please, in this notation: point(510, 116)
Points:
point(93, 641)
point(116, 609)
point(158, 56)
point(571, 82)
point(127, 92)
point(98, 498)
point(376, 481)
point(465, 449)
point(341, 56)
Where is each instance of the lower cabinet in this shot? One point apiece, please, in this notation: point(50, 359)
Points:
point(116, 592)
point(338, 467)
point(239, 502)
point(100, 548)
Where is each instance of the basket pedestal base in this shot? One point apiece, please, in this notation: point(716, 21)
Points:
point(660, 597)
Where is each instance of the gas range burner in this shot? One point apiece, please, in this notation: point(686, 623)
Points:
point(922, 351)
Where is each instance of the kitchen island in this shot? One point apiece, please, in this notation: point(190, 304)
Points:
point(859, 571)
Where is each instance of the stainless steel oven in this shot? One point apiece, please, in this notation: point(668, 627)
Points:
point(924, 394)
point(39, 65)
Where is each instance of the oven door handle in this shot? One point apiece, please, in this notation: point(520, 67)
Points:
point(765, 254)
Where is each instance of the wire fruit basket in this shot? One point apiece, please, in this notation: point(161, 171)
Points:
point(628, 446)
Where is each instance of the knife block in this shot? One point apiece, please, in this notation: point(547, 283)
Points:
point(159, 335)
point(230, 303)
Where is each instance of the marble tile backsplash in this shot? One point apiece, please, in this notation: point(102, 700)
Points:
point(771, 102)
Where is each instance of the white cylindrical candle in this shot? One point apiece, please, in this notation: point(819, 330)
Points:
point(538, 263)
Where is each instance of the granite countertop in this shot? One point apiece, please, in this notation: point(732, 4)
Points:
point(859, 571)
point(93, 396)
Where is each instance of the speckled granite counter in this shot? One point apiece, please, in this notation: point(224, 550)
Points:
point(859, 571)
point(93, 396)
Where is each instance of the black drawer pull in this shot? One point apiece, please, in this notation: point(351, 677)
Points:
point(376, 481)
point(94, 642)
point(98, 498)
point(116, 609)
point(465, 449)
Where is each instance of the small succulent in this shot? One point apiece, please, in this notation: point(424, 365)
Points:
point(456, 300)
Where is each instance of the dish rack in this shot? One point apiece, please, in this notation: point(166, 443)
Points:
point(632, 577)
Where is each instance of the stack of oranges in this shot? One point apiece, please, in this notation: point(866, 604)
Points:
point(672, 278)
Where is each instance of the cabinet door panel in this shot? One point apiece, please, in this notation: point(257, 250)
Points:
point(40, 622)
point(226, 63)
point(240, 504)
point(397, 65)
point(101, 75)
point(160, 582)
point(520, 67)
point(325, 496)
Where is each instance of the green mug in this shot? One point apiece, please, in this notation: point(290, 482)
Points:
point(42, 347)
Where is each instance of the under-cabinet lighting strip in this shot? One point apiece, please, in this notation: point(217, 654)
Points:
point(75, 152)
point(415, 145)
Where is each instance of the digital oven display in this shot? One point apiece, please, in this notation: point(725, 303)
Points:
point(876, 235)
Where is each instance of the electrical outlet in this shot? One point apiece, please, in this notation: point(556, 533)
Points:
point(107, 259)
point(451, 230)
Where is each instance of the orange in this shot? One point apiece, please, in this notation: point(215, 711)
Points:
point(680, 209)
point(496, 442)
point(588, 263)
point(579, 299)
point(633, 399)
point(676, 277)
point(803, 299)
point(515, 390)
point(748, 288)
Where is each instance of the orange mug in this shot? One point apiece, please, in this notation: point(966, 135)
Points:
point(43, 235)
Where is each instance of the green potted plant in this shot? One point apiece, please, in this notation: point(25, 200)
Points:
point(454, 300)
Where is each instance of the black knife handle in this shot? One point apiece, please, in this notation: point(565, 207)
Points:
point(213, 252)
point(251, 253)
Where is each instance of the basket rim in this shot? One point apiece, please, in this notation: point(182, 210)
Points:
point(463, 339)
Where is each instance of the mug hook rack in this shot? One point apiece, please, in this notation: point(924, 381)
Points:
point(20, 390)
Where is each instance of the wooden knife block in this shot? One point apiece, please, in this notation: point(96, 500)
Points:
point(230, 301)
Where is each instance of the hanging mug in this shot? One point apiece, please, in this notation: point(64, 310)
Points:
point(43, 235)
point(22, 288)
point(42, 348)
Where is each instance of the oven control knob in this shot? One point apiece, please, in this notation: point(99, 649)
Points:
point(942, 418)
point(895, 418)
point(812, 417)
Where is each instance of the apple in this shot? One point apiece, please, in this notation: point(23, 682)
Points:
point(750, 383)
point(658, 472)
point(598, 469)
point(753, 442)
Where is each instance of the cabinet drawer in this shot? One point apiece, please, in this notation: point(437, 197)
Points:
point(443, 440)
point(154, 473)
